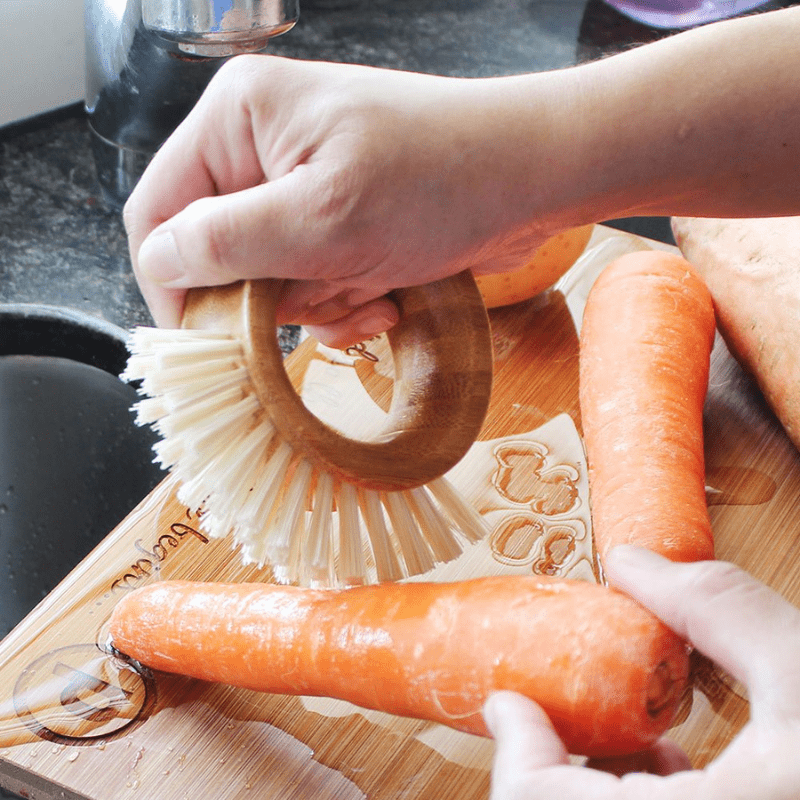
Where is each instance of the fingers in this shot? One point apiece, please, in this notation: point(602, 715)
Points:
point(531, 762)
point(251, 233)
point(338, 318)
point(363, 323)
point(209, 153)
point(663, 758)
point(219, 201)
point(166, 305)
point(666, 758)
point(526, 742)
point(524, 736)
point(740, 623)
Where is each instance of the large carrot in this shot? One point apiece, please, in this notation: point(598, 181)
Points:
point(609, 675)
point(646, 339)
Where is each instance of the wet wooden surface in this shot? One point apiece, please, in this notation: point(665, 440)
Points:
point(75, 722)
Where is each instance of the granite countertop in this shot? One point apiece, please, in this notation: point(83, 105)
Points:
point(61, 245)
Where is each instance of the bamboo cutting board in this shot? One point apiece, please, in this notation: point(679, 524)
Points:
point(76, 723)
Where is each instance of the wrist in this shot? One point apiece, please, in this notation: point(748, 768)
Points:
point(512, 144)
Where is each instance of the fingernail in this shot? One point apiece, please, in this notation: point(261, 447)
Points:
point(159, 259)
point(375, 323)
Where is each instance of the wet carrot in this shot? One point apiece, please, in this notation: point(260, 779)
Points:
point(646, 339)
point(609, 675)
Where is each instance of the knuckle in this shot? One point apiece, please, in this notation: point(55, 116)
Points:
point(245, 75)
point(214, 233)
point(236, 69)
point(715, 579)
point(129, 216)
point(134, 213)
point(717, 583)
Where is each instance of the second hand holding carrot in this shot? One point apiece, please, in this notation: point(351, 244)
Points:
point(738, 622)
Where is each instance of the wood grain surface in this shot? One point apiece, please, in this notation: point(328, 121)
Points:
point(78, 723)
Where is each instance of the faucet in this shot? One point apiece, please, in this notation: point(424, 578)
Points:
point(148, 62)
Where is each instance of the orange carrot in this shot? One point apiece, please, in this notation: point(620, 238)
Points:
point(646, 339)
point(608, 673)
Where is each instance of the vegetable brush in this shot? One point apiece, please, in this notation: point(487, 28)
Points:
point(320, 508)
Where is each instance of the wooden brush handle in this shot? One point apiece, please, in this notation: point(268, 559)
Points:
point(443, 372)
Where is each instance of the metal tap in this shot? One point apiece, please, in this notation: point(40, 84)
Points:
point(148, 62)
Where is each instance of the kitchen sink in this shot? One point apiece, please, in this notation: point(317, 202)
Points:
point(72, 461)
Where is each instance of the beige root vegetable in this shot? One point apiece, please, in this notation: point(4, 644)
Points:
point(752, 267)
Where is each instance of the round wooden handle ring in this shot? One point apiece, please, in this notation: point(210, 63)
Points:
point(443, 375)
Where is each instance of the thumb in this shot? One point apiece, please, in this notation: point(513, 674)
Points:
point(524, 737)
point(259, 232)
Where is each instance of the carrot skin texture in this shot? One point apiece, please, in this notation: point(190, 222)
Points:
point(646, 340)
point(609, 675)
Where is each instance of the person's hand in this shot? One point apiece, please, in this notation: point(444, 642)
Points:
point(744, 626)
point(350, 180)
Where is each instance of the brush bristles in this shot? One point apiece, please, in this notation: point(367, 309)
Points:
point(282, 511)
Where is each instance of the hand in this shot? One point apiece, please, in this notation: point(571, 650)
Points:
point(351, 181)
point(746, 628)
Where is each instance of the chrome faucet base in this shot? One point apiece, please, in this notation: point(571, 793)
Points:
point(117, 168)
point(148, 62)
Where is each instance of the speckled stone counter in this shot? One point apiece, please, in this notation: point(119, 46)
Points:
point(59, 243)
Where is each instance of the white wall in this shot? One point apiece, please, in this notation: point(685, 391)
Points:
point(41, 56)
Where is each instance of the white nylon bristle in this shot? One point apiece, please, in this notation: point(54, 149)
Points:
point(387, 564)
point(310, 529)
point(235, 421)
point(319, 551)
point(351, 548)
point(151, 349)
point(252, 531)
point(413, 548)
point(186, 418)
point(283, 547)
point(191, 449)
point(435, 528)
point(197, 486)
point(177, 392)
point(185, 355)
point(150, 410)
point(234, 482)
point(267, 494)
point(463, 514)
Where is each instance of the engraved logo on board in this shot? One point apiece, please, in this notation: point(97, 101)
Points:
point(544, 530)
point(78, 694)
